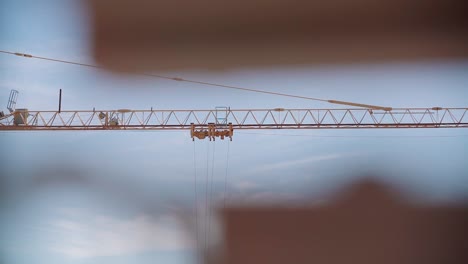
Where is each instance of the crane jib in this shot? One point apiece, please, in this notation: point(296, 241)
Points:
point(222, 121)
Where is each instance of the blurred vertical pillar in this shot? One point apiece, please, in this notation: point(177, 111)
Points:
point(367, 224)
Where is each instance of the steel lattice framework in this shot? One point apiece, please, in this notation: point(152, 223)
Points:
point(277, 118)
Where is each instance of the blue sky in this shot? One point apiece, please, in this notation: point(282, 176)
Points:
point(128, 197)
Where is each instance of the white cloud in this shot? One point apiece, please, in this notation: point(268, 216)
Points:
point(266, 198)
point(270, 197)
point(294, 163)
point(245, 185)
point(109, 236)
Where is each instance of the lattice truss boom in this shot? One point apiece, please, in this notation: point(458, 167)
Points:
point(278, 118)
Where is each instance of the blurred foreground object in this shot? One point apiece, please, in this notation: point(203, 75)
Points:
point(214, 35)
point(366, 224)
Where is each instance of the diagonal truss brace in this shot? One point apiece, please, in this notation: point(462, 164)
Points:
point(203, 120)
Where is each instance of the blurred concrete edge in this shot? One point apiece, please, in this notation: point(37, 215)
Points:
point(136, 35)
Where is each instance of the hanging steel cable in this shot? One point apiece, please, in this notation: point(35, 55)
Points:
point(226, 176)
point(211, 189)
point(196, 194)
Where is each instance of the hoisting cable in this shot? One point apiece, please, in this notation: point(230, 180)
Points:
point(211, 188)
point(225, 177)
point(196, 195)
point(206, 191)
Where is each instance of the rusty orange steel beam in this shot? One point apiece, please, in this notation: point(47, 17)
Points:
point(224, 120)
